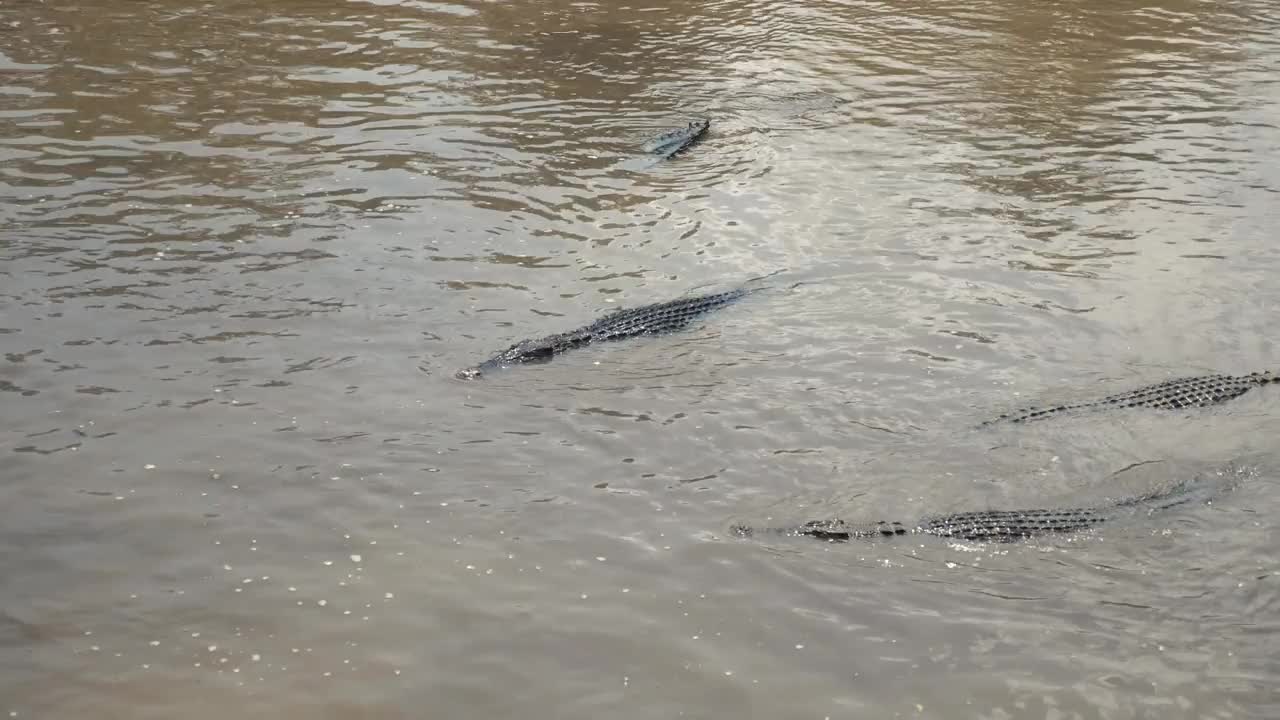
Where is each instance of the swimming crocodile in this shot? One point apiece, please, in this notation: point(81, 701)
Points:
point(671, 143)
point(995, 525)
point(1175, 394)
point(620, 324)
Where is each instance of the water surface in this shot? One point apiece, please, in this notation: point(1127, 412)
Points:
point(245, 246)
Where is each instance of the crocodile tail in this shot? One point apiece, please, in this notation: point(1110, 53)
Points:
point(1263, 378)
point(1028, 414)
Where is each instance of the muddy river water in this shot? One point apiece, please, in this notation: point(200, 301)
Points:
point(245, 246)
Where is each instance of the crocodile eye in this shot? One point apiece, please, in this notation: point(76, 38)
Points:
point(540, 353)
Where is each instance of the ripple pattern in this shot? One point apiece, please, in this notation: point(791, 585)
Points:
point(244, 246)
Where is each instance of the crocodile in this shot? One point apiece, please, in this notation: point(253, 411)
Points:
point(622, 323)
point(671, 143)
point(1176, 394)
point(999, 526)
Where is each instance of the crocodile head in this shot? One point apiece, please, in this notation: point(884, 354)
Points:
point(839, 531)
point(529, 351)
point(830, 530)
point(470, 373)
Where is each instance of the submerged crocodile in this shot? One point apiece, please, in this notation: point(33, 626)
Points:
point(669, 144)
point(1176, 394)
point(995, 525)
point(621, 323)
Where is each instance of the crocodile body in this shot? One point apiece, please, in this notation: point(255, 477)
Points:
point(1176, 394)
point(990, 525)
point(669, 144)
point(617, 325)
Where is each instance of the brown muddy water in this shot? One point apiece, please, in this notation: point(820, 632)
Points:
point(245, 246)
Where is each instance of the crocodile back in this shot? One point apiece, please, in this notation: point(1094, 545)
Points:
point(1176, 394)
point(1011, 525)
point(659, 318)
point(670, 143)
point(1187, 392)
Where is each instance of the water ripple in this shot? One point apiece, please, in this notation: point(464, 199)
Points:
point(244, 246)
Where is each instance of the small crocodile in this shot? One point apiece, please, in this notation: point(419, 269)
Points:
point(621, 323)
point(1175, 394)
point(669, 144)
point(993, 525)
